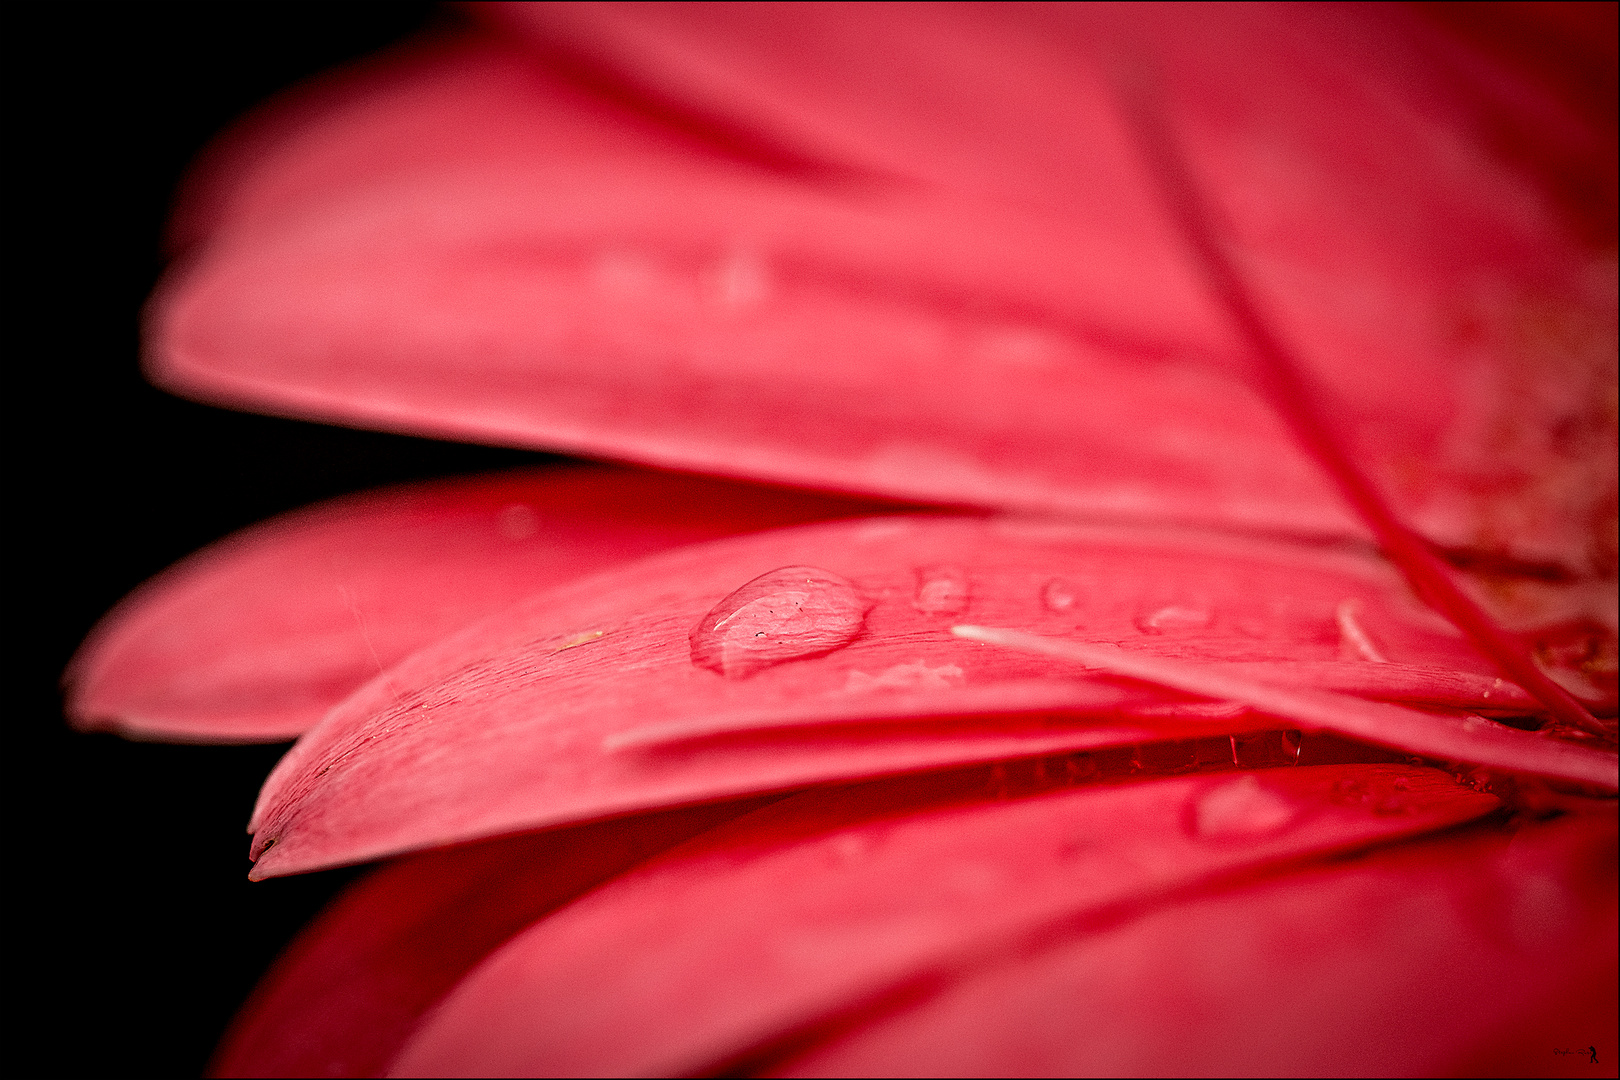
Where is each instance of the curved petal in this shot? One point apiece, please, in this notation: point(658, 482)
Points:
point(606, 697)
point(1463, 956)
point(806, 909)
point(347, 993)
point(496, 247)
point(257, 636)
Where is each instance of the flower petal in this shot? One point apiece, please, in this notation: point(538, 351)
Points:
point(256, 637)
point(347, 993)
point(490, 247)
point(603, 697)
point(806, 909)
point(1453, 957)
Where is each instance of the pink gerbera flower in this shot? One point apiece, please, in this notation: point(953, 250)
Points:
point(1235, 694)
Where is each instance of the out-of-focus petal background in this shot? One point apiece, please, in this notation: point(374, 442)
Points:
point(131, 932)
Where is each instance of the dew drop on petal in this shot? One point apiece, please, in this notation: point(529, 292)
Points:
point(788, 614)
point(1059, 595)
point(1240, 809)
point(941, 590)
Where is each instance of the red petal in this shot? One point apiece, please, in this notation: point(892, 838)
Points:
point(1454, 957)
point(592, 700)
point(479, 248)
point(256, 637)
point(805, 909)
point(348, 992)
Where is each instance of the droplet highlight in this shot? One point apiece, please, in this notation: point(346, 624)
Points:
point(793, 613)
point(941, 590)
point(1241, 809)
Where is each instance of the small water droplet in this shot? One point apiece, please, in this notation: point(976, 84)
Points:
point(517, 522)
point(998, 780)
point(788, 614)
point(1348, 792)
point(941, 590)
point(1241, 809)
point(1059, 595)
point(739, 280)
point(1164, 757)
point(576, 640)
point(1080, 768)
point(1169, 619)
point(849, 847)
point(1290, 746)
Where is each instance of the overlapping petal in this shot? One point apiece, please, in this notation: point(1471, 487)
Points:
point(256, 637)
point(819, 909)
point(605, 697)
point(1474, 954)
point(346, 995)
point(537, 247)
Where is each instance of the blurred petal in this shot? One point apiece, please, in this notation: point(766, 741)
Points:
point(825, 653)
point(347, 993)
point(809, 909)
point(257, 636)
point(914, 253)
point(1462, 956)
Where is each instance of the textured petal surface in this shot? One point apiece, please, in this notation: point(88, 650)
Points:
point(1466, 956)
point(583, 248)
point(347, 993)
point(807, 909)
point(257, 636)
point(598, 699)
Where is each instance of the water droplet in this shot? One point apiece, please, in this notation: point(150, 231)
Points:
point(1164, 757)
point(517, 522)
point(1348, 792)
point(788, 614)
point(1240, 809)
point(1079, 768)
point(1059, 595)
point(1265, 749)
point(1169, 619)
point(740, 280)
point(626, 273)
point(1354, 641)
point(576, 640)
point(941, 590)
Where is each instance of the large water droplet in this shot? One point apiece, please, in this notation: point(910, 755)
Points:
point(787, 614)
point(1241, 809)
point(941, 590)
point(1059, 595)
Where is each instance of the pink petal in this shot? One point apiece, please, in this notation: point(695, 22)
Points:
point(1460, 956)
point(256, 637)
point(805, 909)
point(477, 246)
point(595, 700)
point(348, 992)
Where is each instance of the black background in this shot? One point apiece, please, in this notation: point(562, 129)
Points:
point(131, 931)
